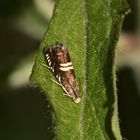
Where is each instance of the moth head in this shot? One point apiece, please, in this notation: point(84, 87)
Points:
point(61, 48)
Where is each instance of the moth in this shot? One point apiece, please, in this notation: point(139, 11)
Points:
point(59, 62)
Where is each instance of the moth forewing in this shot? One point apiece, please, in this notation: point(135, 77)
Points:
point(58, 59)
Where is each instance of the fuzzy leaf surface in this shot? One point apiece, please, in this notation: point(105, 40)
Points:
point(90, 29)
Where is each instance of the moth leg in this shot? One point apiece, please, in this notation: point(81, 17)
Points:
point(46, 66)
point(56, 82)
point(64, 93)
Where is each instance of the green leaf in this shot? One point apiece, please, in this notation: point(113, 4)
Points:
point(90, 29)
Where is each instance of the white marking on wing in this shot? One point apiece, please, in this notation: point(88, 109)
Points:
point(59, 79)
point(52, 69)
point(66, 64)
point(50, 63)
point(66, 68)
point(57, 76)
point(49, 60)
point(47, 55)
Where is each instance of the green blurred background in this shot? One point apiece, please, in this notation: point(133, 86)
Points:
point(25, 112)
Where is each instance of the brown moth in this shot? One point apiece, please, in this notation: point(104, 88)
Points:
point(58, 60)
